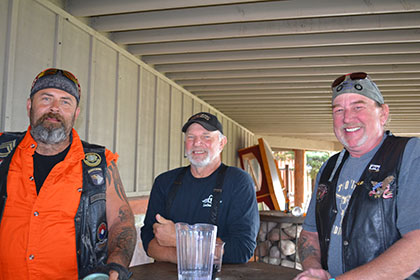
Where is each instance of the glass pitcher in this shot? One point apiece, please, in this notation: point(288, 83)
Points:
point(195, 250)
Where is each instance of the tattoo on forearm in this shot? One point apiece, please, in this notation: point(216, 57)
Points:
point(113, 177)
point(123, 243)
point(305, 248)
point(124, 213)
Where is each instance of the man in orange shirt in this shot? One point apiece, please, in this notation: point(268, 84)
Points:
point(63, 209)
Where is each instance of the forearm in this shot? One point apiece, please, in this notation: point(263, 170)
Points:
point(122, 232)
point(238, 249)
point(122, 241)
point(398, 262)
point(309, 250)
point(161, 253)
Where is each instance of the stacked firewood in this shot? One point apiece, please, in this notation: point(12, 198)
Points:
point(276, 244)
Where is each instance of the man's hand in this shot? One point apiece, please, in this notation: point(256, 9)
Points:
point(313, 274)
point(164, 231)
point(113, 275)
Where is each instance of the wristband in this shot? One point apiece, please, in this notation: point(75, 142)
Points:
point(331, 279)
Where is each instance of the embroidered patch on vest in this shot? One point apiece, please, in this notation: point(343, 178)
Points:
point(382, 188)
point(102, 231)
point(1, 161)
point(92, 159)
point(321, 192)
point(97, 176)
point(97, 197)
point(374, 167)
point(6, 148)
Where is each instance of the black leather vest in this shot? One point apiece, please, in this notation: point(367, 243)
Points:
point(369, 223)
point(90, 220)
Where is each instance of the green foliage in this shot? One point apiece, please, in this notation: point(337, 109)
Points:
point(314, 161)
point(284, 155)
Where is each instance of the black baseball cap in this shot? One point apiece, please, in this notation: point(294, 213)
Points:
point(206, 120)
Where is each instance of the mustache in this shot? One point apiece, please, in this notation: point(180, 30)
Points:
point(350, 125)
point(190, 152)
point(50, 116)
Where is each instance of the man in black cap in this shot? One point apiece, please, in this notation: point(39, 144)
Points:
point(363, 220)
point(207, 191)
point(63, 210)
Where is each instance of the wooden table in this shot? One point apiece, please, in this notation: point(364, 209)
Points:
point(251, 270)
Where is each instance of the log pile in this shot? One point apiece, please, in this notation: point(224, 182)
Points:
point(276, 243)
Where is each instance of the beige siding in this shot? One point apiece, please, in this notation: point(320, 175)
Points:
point(147, 130)
point(175, 135)
point(162, 118)
point(4, 45)
point(125, 105)
point(126, 120)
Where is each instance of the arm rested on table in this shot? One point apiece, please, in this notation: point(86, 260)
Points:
point(161, 253)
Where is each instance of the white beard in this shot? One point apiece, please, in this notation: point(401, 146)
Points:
point(202, 163)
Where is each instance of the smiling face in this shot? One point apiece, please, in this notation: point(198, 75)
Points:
point(203, 147)
point(358, 122)
point(52, 113)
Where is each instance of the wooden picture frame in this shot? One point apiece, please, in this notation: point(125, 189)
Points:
point(259, 162)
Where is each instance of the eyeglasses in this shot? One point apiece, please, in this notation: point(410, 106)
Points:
point(54, 71)
point(352, 76)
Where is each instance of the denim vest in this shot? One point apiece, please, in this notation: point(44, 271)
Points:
point(90, 220)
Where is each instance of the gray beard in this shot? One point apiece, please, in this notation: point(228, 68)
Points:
point(203, 163)
point(48, 136)
point(195, 163)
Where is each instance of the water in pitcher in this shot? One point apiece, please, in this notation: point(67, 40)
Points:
point(195, 250)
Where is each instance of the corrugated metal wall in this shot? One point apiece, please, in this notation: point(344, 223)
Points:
point(126, 105)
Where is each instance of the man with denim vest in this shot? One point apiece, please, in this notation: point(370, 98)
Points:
point(63, 210)
point(363, 221)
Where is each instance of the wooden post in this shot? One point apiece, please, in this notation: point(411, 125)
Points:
point(299, 177)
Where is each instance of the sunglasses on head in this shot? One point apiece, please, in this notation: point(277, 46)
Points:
point(54, 71)
point(351, 76)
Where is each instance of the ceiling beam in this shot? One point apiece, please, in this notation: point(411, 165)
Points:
point(218, 90)
point(292, 62)
point(322, 51)
point(270, 28)
point(83, 8)
point(313, 71)
point(388, 78)
point(278, 142)
point(286, 41)
point(269, 10)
